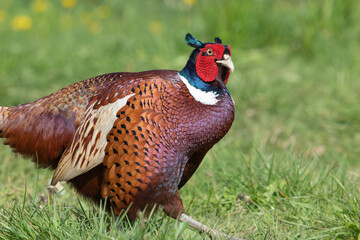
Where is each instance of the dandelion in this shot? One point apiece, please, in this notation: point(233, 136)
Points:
point(21, 22)
point(189, 2)
point(2, 15)
point(39, 5)
point(68, 3)
point(155, 27)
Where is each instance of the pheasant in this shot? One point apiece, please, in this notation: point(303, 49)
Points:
point(130, 139)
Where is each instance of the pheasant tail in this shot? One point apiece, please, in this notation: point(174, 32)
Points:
point(36, 133)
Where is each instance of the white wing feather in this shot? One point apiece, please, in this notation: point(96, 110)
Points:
point(83, 155)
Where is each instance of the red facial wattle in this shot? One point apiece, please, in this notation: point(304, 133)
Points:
point(206, 67)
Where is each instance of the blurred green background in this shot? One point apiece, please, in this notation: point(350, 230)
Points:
point(295, 85)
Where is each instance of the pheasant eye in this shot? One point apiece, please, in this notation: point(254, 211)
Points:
point(209, 51)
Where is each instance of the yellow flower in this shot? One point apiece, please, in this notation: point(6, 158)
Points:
point(155, 27)
point(189, 2)
point(2, 15)
point(68, 3)
point(39, 5)
point(21, 22)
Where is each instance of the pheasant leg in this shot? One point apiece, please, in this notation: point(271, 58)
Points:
point(202, 228)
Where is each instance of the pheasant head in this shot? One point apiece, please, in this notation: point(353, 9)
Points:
point(208, 67)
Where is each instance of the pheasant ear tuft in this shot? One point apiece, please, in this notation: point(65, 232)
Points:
point(218, 40)
point(193, 42)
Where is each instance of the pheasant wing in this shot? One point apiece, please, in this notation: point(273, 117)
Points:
point(87, 148)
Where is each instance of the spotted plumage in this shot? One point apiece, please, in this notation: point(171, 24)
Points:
point(132, 139)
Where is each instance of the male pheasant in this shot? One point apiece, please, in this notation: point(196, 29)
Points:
point(131, 139)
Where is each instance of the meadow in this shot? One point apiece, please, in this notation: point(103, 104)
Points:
point(289, 167)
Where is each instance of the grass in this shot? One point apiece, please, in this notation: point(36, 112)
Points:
point(288, 168)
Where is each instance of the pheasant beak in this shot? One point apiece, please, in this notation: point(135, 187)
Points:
point(226, 61)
